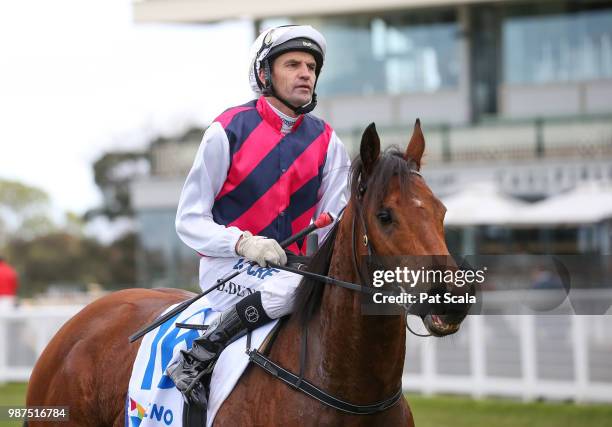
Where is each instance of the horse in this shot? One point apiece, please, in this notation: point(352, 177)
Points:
point(355, 357)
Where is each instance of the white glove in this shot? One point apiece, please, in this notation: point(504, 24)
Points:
point(260, 249)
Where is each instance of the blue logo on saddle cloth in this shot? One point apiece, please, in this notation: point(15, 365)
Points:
point(170, 336)
point(150, 401)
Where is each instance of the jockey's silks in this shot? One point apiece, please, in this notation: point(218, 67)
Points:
point(273, 180)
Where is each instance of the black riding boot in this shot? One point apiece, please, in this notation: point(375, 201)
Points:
point(191, 372)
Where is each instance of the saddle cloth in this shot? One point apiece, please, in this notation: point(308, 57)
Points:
point(153, 400)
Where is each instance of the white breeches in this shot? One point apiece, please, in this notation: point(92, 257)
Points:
point(277, 287)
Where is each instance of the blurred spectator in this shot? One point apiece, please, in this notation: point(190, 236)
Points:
point(8, 285)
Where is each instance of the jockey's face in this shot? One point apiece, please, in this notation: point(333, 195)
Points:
point(293, 77)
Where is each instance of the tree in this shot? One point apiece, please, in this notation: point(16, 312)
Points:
point(65, 258)
point(56, 258)
point(113, 173)
point(121, 260)
point(24, 210)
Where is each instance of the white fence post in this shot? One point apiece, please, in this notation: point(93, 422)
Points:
point(477, 355)
point(581, 358)
point(428, 363)
point(527, 336)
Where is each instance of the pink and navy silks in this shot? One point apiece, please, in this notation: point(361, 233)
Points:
point(273, 179)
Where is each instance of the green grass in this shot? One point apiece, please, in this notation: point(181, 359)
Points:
point(12, 394)
point(447, 411)
point(450, 411)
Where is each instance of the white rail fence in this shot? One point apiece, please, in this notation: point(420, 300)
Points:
point(561, 356)
point(24, 334)
point(527, 357)
point(556, 357)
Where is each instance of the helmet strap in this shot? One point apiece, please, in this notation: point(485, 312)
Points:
point(303, 109)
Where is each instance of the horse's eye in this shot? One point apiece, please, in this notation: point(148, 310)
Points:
point(384, 216)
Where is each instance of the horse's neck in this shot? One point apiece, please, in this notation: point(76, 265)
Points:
point(360, 356)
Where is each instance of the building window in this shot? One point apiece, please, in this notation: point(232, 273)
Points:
point(557, 45)
point(403, 52)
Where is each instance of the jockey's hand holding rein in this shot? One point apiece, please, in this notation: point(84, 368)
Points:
point(260, 249)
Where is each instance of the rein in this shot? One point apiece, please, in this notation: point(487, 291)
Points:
point(297, 381)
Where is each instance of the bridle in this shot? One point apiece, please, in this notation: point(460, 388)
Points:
point(297, 381)
point(361, 190)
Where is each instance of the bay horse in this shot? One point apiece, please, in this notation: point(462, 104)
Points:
point(355, 357)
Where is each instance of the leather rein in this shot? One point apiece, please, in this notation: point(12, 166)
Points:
point(297, 381)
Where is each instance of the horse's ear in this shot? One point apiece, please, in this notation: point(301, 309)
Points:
point(416, 146)
point(370, 148)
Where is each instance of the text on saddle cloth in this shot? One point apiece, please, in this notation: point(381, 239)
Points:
point(153, 400)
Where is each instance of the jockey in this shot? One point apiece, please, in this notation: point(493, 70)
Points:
point(262, 172)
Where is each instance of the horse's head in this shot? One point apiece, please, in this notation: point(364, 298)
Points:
point(401, 217)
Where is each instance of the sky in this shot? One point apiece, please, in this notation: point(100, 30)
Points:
point(79, 78)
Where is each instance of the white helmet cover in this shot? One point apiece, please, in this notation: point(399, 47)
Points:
point(274, 37)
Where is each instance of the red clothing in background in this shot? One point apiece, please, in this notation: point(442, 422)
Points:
point(8, 280)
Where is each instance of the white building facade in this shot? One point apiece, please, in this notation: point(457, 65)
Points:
point(511, 92)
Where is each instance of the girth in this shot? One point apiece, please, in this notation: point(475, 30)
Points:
point(315, 392)
point(299, 383)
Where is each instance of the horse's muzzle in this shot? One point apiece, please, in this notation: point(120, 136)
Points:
point(439, 326)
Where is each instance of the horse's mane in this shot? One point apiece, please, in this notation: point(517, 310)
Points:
point(310, 291)
point(390, 164)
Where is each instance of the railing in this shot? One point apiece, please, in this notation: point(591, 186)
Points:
point(24, 334)
point(514, 140)
point(558, 357)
